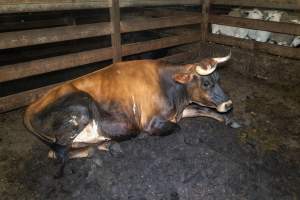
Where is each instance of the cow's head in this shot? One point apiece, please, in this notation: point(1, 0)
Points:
point(202, 84)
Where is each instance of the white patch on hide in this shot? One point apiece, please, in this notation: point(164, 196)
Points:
point(73, 120)
point(134, 106)
point(90, 134)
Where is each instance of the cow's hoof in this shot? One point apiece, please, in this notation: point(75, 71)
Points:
point(232, 123)
point(235, 125)
point(52, 155)
point(115, 149)
point(142, 135)
point(60, 173)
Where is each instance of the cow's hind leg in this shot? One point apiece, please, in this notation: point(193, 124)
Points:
point(82, 152)
point(61, 154)
point(64, 120)
point(85, 152)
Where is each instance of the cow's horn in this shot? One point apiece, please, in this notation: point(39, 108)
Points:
point(201, 71)
point(222, 59)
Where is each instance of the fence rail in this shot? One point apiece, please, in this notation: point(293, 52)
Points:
point(278, 27)
point(253, 45)
point(50, 35)
point(41, 66)
point(275, 4)
point(15, 6)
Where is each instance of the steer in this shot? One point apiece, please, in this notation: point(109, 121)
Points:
point(124, 100)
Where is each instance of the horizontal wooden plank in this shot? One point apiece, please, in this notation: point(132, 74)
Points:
point(58, 34)
point(138, 3)
point(276, 4)
point(279, 27)
point(17, 26)
point(181, 57)
point(140, 47)
point(41, 7)
point(17, 6)
point(155, 23)
point(4, 2)
point(104, 2)
point(49, 35)
point(25, 98)
point(41, 66)
point(283, 51)
point(288, 52)
point(168, 11)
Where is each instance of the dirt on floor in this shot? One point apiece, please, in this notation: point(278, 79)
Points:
point(203, 160)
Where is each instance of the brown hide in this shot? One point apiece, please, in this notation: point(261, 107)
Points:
point(133, 84)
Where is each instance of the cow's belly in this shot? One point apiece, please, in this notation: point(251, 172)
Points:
point(91, 134)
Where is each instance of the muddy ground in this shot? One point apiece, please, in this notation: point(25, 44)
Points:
point(203, 160)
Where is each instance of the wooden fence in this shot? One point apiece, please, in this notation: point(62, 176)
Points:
point(116, 27)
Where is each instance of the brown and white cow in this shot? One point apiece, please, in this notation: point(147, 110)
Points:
point(123, 100)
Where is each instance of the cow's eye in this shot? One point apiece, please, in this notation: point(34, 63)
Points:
point(206, 84)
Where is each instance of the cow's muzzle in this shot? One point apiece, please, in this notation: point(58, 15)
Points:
point(225, 106)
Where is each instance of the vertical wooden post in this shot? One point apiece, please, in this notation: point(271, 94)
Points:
point(116, 33)
point(205, 14)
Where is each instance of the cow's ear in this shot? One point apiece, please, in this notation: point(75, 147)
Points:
point(183, 78)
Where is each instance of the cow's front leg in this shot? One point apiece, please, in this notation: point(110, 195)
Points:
point(160, 127)
point(197, 111)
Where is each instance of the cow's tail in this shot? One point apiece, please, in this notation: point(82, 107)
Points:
point(61, 152)
point(27, 122)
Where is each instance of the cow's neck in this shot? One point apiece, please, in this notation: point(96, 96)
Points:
point(176, 93)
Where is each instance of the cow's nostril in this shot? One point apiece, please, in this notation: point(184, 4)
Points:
point(228, 105)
